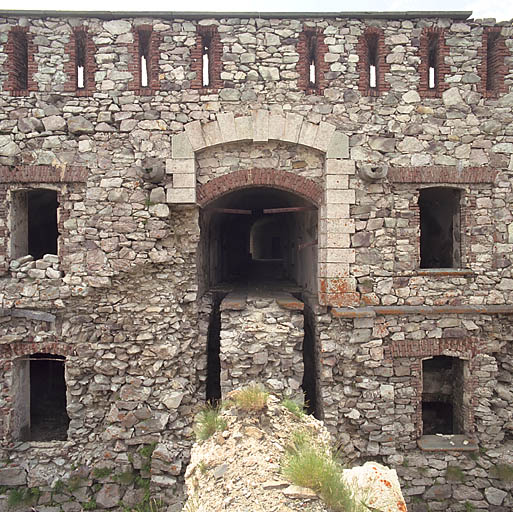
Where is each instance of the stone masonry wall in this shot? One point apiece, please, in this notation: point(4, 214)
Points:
point(121, 302)
point(261, 341)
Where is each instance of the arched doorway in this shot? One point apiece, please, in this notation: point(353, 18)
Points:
point(259, 237)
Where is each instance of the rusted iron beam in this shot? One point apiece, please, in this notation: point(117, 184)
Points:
point(235, 211)
point(300, 247)
point(291, 209)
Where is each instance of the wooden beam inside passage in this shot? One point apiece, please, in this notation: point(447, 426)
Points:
point(300, 247)
point(231, 210)
point(292, 209)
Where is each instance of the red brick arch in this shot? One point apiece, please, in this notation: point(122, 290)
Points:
point(15, 350)
point(238, 180)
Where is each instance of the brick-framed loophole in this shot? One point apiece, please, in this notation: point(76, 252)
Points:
point(433, 51)
point(146, 43)
point(312, 49)
point(371, 50)
point(208, 42)
point(493, 69)
point(21, 64)
point(81, 50)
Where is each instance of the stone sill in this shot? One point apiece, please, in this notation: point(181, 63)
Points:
point(445, 272)
point(447, 443)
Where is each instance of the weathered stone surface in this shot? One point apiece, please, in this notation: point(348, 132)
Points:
point(13, 476)
point(54, 123)
point(108, 496)
point(79, 125)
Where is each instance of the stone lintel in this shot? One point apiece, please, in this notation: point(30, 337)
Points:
point(235, 301)
point(445, 443)
point(29, 314)
point(308, 134)
point(276, 127)
point(288, 301)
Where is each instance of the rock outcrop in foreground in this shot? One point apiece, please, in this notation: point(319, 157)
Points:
point(238, 469)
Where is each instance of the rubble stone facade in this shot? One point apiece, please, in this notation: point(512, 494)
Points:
point(361, 165)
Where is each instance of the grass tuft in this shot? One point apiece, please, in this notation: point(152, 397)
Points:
point(454, 474)
point(295, 408)
point(250, 398)
point(503, 472)
point(308, 464)
point(208, 422)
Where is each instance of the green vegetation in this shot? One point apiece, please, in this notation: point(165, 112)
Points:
point(503, 472)
point(90, 505)
point(23, 496)
point(250, 398)
point(208, 422)
point(99, 473)
point(469, 507)
point(295, 408)
point(150, 505)
point(311, 465)
point(125, 478)
point(454, 474)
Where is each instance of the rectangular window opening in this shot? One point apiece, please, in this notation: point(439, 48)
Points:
point(492, 61)
point(433, 45)
point(39, 405)
point(144, 56)
point(80, 56)
point(34, 223)
point(443, 400)
point(20, 55)
point(372, 57)
point(439, 227)
point(206, 44)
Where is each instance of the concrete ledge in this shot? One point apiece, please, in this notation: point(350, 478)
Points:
point(235, 301)
point(445, 272)
point(29, 314)
point(290, 302)
point(372, 311)
point(447, 443)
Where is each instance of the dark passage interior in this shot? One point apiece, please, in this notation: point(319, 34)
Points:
point(213, 387)
point(259, 237)
point(439, 227)
point(48, 417)
point(42, 222)
point(311, 365)
point(442, 395)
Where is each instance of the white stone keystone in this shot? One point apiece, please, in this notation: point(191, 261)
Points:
point(261, 125)
point(212, 134)
point(307, 134)
point(276, 127)
point(244, 127)
point(181, 147)
point(324, 134)
point(293, 124)
point(227, 126)
point(195, 135)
